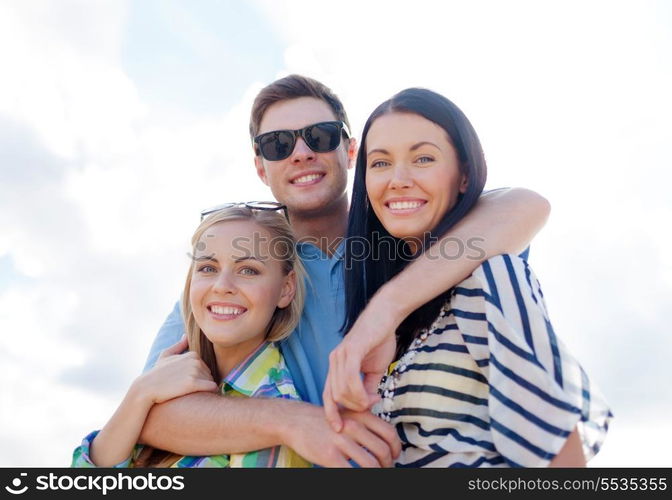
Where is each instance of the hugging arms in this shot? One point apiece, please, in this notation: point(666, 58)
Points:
point(302, 151)
point(202, 423)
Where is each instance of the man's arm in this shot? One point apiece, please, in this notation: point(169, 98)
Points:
point(503, 221)
point(207, 424)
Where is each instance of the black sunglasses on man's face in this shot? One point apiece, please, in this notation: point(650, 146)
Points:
point(320, 137)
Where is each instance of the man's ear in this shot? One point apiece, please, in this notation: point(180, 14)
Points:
point(261, 170)
point(288, 290)
point(352, 153)
point(464, 184)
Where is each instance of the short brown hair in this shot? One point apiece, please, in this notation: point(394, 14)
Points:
point(293, 87)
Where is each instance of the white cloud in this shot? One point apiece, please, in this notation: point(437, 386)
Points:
point(99, 195)
point(638, 442)
point(65, 86)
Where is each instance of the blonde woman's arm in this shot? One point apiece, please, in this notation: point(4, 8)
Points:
point(174, 375)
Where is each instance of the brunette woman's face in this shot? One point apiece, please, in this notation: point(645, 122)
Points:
point(413, 174)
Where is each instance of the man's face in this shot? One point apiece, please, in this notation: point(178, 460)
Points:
point(307, 182)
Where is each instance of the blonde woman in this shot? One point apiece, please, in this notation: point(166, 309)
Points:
point(244, 292)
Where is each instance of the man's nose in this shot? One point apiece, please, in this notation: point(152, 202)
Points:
point(302, 152)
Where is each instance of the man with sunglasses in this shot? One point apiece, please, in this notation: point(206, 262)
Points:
point(303, 150)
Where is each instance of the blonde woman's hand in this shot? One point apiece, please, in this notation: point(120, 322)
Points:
point(175, 374)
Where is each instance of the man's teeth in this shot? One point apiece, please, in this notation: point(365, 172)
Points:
point(306, 178)
point(227, 310)
point(404, 205)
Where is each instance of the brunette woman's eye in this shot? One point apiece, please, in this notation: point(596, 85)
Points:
point(379, 163)
point(425, 159)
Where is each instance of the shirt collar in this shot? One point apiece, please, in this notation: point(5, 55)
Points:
point(252, 372)
point(339, 253)
point(309, 251)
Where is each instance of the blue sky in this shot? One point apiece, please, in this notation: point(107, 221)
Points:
point(119, 121)
point(8, 275)
point(199, 56)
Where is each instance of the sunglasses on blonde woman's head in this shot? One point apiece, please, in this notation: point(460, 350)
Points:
point(320, 137)
point(252, 205)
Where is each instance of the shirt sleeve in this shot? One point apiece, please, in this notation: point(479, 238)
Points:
point(525, 254)
point(538, 392)
point(81, 457)
point(171, 331)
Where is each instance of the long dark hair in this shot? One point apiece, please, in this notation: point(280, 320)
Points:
point(363, 277)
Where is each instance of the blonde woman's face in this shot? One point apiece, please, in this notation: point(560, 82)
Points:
point(236, 286)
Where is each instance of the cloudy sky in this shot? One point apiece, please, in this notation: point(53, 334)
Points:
point(120, 120)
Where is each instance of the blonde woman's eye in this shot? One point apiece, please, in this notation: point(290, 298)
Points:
point(206, 269)
point(248, 271)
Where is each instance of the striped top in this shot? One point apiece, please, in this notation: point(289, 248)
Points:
point(262, 374)
point(489, 384)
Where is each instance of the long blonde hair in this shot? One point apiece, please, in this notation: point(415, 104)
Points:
point(282, 322)
point(283, 247)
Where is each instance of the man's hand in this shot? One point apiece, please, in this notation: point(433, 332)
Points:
point(365, 439)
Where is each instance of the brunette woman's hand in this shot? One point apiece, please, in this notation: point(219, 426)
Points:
point(175, 374)
point(367, 349)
